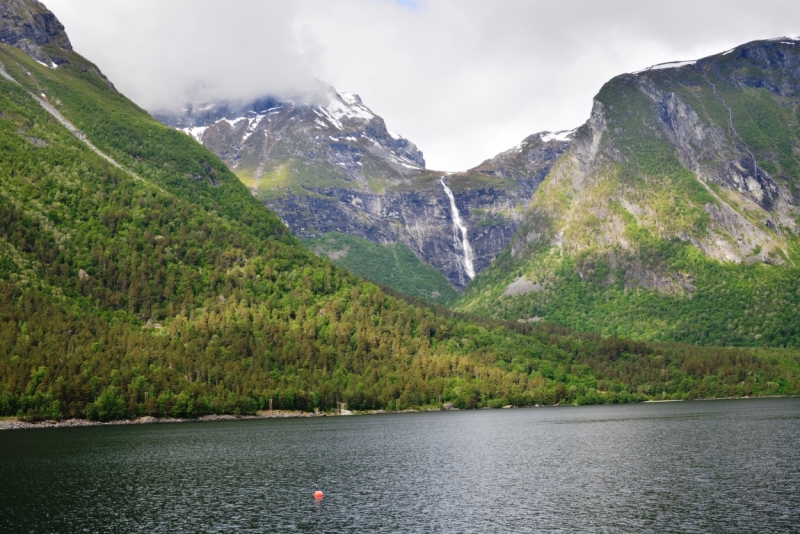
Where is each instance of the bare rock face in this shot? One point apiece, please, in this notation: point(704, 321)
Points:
point(145, 420)
point(738, 195)
point(330, 164)
point(521, 286)
point(29, 25)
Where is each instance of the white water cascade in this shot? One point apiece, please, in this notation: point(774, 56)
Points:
point(458, 225)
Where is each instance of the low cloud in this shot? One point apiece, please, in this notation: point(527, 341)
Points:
point(163, 54)
point(463, 79)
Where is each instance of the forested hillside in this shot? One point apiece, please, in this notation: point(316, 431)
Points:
point(139, 276)
point(393, 265)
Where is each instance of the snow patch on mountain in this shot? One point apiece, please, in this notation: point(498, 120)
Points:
point(668, 65)
point(253, 125)
point(563, 135)
point(672, 65)
point(195, 132)
point(231, 122)
point(350, 98)
point(329, 117)
point(347, 106)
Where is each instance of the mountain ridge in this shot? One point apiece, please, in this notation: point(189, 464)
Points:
point(29, 26)
point(698, 154)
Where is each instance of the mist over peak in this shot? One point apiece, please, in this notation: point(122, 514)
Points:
point(165, 54)
point(465, 79)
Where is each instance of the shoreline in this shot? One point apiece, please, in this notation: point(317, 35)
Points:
point(12, 423)
point(16, 424)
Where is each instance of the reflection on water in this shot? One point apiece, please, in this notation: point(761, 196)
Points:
point(723, 466)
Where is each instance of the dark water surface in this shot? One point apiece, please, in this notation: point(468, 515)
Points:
point(722, 466)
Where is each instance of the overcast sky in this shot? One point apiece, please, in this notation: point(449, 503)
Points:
point(463, 79)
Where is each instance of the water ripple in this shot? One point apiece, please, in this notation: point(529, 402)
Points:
point(727, 466)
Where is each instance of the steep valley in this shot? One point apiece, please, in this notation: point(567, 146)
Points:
point(331, 165)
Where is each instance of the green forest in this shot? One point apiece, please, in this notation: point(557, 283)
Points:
point(393, 265)
point(731, 305)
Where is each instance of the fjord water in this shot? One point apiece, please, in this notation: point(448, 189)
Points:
point(721, 466)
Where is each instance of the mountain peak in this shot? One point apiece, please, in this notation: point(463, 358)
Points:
point(31, 27)
point(333, 126)
point(351, 98)
point(345, 107)
point(741, 49)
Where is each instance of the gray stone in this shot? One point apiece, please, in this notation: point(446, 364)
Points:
point(521, 286)
point(29, 25)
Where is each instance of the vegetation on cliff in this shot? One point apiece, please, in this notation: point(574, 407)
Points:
point(393, 265)
point(674, 215)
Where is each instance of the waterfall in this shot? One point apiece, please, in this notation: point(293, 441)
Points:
point(458, 225)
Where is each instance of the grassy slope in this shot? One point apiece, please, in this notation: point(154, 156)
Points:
point(393, 265)
point(179, 294)
point(734, 304)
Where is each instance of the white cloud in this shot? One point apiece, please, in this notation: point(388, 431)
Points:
point(165, 53)
point(463, 79)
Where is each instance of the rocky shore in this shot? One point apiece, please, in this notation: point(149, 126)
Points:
point(15, 424)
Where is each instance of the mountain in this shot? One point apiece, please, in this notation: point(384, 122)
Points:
point(257, 138)
point(674, 212)
point(29, 26)
point(331, 165)
point(139, 276)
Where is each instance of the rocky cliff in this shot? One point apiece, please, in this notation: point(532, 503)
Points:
point(329, 164)
point(28, 25)
point(684, 181)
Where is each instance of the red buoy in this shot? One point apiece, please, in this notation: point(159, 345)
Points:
point(318, 494)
